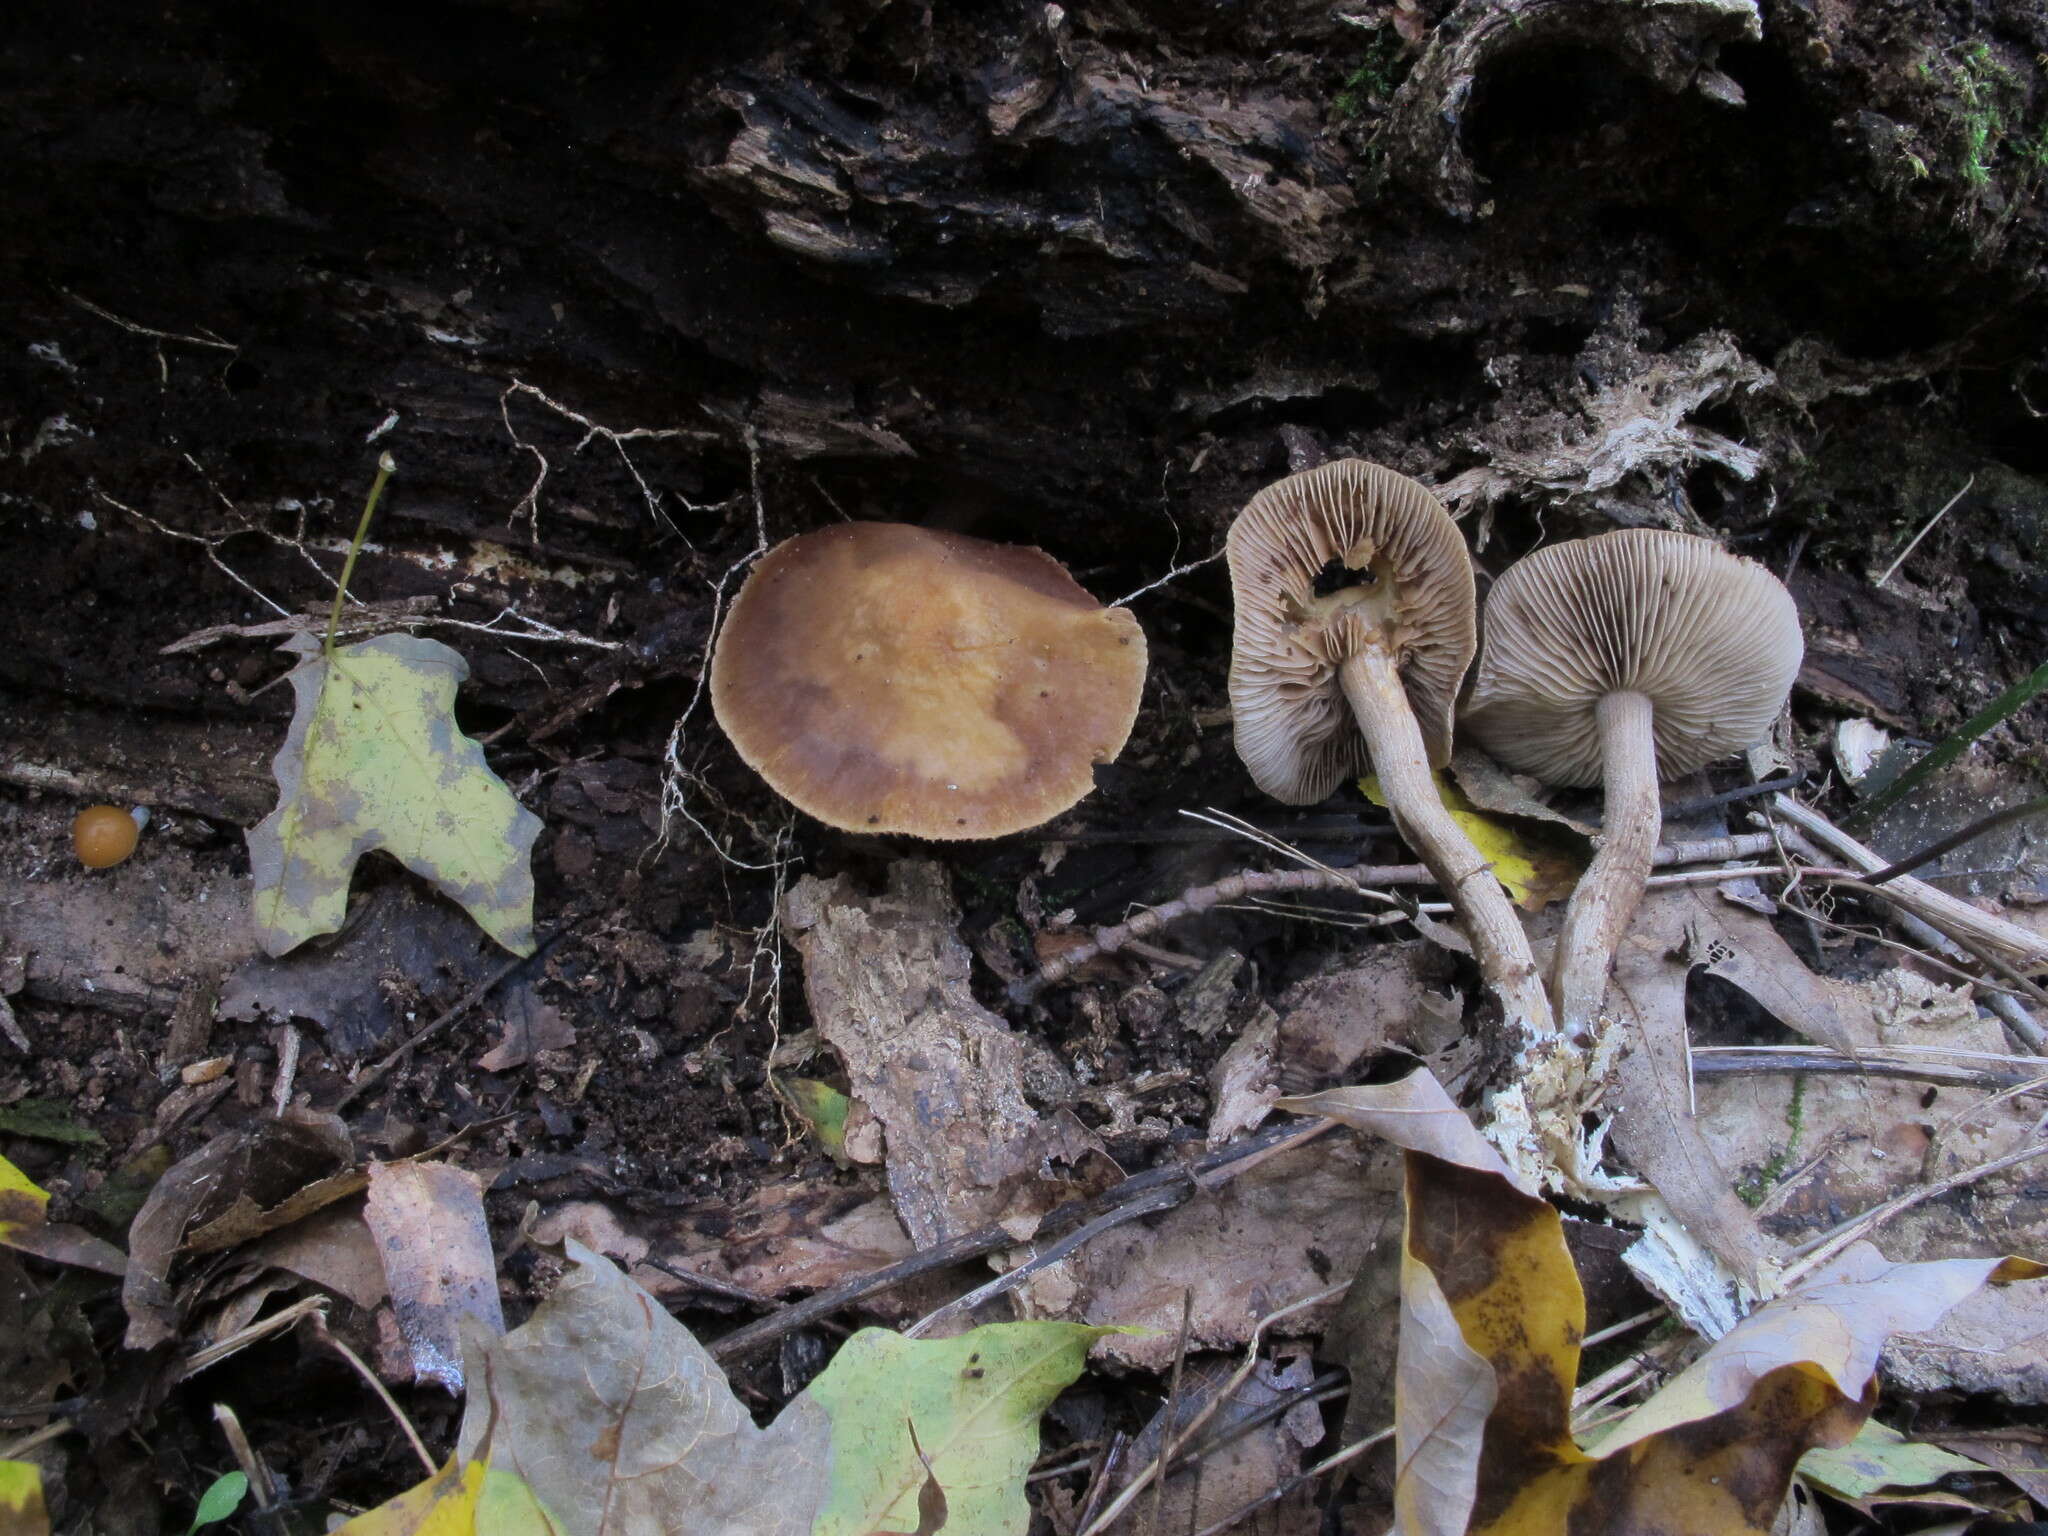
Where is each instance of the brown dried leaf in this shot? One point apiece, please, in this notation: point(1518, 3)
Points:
point(265, 1165)
point(529, 1026)
point(428, 1220)
point(605, 1405)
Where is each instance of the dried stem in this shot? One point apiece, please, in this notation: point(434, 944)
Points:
point(1373, 686)
point(1606, 897)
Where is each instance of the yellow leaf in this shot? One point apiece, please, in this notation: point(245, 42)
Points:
point(21, 1498)
point(22, 1226)
point(373, 760)
point(448, 1498)
point(22, 1202)
point(1536, 864)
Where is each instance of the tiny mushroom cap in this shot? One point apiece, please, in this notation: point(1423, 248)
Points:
point(1710, 638)
point(1321, 563)
point(103, 835)
point(888, 678)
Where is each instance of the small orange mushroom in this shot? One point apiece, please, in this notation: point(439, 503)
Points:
point(103, 835)
point(888, 678)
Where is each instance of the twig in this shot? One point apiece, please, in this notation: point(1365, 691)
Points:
point(1733, 796)
point(263, 1490)
point(1928, 528)
point(1821, 1249)
point(1183, 1178)
point(1349, 1453)
point(1951, 746)
point(1172, 1420)
point(1954, 840)
point(1201, 898)
point(382, 1393)
point(1742, 1060)
point(1172, 1444)
point(476, 994)
point(1161, 1199)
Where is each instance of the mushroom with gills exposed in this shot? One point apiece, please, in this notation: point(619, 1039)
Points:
point(1354, 627)
point(889, 678)
point(1621, 660)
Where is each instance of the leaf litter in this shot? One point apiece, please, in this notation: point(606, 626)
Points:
point(373, 761)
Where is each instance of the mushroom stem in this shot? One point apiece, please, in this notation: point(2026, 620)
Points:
point(1372, 683)
point(1608, 892)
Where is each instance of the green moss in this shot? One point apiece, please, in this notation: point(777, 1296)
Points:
point(1987, 100)
point(1374, 80)
point(1759, 1182)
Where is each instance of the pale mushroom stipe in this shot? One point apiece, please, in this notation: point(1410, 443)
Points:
point(888, 678)
point(1354, 627)
point(1620, 660)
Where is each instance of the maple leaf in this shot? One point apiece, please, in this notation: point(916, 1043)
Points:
point(373, 760)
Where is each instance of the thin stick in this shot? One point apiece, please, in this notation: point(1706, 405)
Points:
point(1171, 1444)
point(1955, 840)
point(1928, 528)
point(1202, 898)
point(1825, 1247)
point(1952, 746)
point(419, 1446)
point(1166, 1431)
point(450, 1014)
point(1203, 1172)
point(385, 465)
point(1162, 1199)
point(1351, 1452)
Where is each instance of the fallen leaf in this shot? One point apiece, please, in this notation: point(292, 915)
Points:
point(22, 1512)
point(528, 1026)
point(972, 1402)
point(1490, 787)
point(1536, 863)
point(23, 1227)
point(373, 761)
point(823, 1108)
point(1880, 1459)
point(247, 1171)
point(1246, 1451)
point(334, 1249)
point(1269, 1237)
point(617, 1419)
point(401, 929)
point(1712, 1454)
point(428, 1220)
point(45, 1120)
point(1655, 1126)
point(464, 1498)
point(1815, 1148)
point(805, 1234)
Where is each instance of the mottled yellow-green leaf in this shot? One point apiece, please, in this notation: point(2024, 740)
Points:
point(22, 1512)
point(823, 1109)
point(1880, 1458)
point(972, 1403)
point(373, 760)
point(1536, 864)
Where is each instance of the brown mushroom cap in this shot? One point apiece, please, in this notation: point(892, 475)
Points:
point(885, 678)
point(1400, 572)
point(1712, 639)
